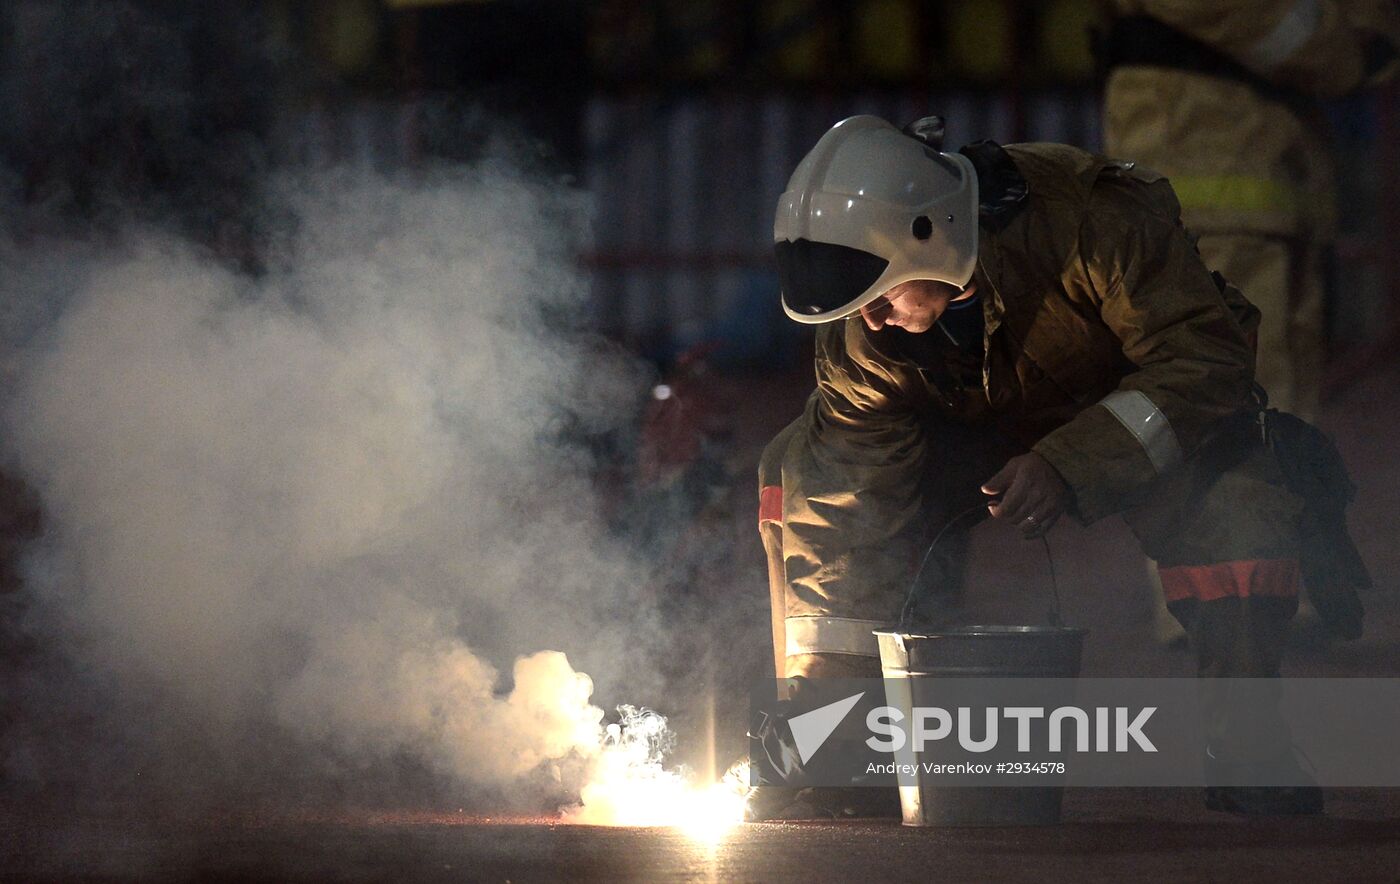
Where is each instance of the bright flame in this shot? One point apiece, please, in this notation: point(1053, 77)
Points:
point(630, 787)
point(708, 813)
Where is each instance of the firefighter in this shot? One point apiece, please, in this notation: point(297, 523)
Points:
point(1028, 328)
point(1223, 98)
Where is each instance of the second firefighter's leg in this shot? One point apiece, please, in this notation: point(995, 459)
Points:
point(1224, 532)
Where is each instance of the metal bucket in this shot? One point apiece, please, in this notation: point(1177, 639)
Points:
point(913, 661)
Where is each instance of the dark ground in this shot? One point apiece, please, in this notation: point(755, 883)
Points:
point(1108, 835)
point(1153, 835)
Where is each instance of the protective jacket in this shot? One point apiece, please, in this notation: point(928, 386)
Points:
point(1224, 98)
point(1108, 348)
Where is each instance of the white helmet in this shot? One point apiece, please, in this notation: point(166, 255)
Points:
point(869, 208)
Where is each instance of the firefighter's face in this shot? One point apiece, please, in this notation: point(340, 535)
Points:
point(913, 306)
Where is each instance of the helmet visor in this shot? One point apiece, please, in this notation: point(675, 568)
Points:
point(819, 278)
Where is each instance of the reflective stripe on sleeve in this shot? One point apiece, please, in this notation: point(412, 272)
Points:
point(832, 635)
point(1287, 37)
point(1269, 578)
point(1143, 419)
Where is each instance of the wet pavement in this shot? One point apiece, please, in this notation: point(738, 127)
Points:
point(1108, 835)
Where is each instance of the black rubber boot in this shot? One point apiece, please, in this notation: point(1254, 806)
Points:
point(1227, 790)
point(1265, 800)
point(773, 803)
point(769, 803)
point(857, 802)
point(1249, 739)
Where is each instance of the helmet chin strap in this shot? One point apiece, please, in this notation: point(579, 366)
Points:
point(963, 293)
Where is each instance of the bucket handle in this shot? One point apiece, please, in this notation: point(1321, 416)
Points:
point(1053, 615)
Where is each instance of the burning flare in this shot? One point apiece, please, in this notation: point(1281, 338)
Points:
point(630, 787)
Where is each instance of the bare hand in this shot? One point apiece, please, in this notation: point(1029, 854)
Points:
point(1032, 494)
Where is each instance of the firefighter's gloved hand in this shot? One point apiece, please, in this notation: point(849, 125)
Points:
point(1031, 494)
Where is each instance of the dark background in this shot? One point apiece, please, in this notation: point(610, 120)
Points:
point(683, 120)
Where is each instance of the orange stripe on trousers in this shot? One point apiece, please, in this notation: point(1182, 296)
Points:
point(770, 504)
point(1272, 578)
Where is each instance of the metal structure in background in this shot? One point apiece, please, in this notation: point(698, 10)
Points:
point(685, 190)
point(700, 111)
point(692, 114)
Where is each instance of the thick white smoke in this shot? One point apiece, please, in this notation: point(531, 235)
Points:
point(329, 499)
